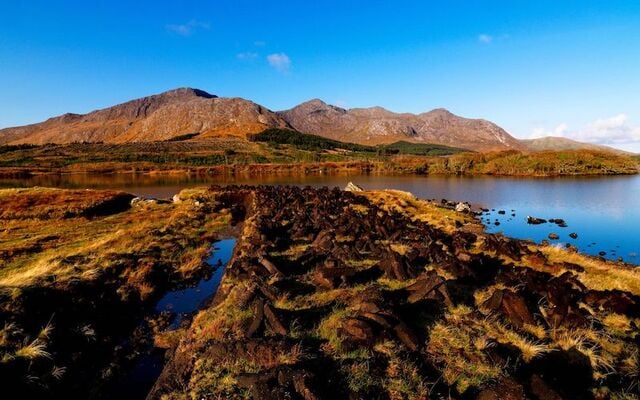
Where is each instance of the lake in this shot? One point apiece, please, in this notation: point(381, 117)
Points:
point(603, 211)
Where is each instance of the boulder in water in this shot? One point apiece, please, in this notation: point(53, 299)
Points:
point(352, 187)
point(535, 220)
point(463, 207)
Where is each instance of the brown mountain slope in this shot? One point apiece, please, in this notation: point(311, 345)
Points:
point(187, 111)
point(561, 143)
point(159, 117)
point(377, 125)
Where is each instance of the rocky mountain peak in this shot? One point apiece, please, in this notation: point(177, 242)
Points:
point(187, 92)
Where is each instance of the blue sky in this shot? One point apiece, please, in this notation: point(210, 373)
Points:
point(569, 68)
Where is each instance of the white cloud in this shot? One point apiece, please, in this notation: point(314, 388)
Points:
point(485, 38)
point(615, 130)
point(559, 130)
point(187, 29)
point(247, 56)
point(279, 61)
point(611, 130)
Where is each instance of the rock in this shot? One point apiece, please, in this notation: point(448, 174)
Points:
point(273, 321)
point(331, 278)
point(357, 330)
point(502, 212)
point(541, 390)
point(352, 187)
point(395, 268)
point(535, 221)
point(429, 286)
point(511, 305)
point(615, 301)
point(378, 319)
point(602, 253)
point(269, 266)
point(505, 389)
point(301, 386)
point(553, 236)
point(407, 336)
point(258, 316)
point(573, 235)
point(463, 207)
point(176, 199)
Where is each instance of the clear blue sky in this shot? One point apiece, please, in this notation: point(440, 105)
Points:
point(570, 68)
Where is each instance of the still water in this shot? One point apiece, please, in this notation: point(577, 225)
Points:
point(603, 211)
point(137, 382)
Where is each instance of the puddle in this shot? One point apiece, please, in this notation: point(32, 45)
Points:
point(181, 303)
point(185, 301)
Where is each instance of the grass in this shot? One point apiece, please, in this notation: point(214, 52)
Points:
point(277, 150)
point(34, 350)
point(418, 210)
point(598, 274)
point(462, 344)
point(153, 234)
point(50, 244)
point(545, 163)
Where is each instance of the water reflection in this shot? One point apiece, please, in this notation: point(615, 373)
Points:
point(601, 210)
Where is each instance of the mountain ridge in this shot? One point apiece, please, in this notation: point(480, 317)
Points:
point(189, 111)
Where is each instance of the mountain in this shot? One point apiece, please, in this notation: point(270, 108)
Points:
point(159, 117)
point(377, 125)
point(561, 143)
point(195, 112)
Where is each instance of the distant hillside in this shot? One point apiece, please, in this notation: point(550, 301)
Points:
point(192, 114)
point(160, 117)
point(376, 126)
point(560, 143)
point(310, 142)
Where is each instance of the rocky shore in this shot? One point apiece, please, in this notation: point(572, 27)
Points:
point(335, 294)
point(330, 294)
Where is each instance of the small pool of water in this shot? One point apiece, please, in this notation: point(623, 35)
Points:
point(137, 383)
point(185, 301)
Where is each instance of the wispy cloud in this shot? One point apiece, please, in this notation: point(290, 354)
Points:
point(280, 61)
point(560, 130)
point(614, 130)
point(187, 29)
point(485, 38)
point(247, 55)
point(259, 43)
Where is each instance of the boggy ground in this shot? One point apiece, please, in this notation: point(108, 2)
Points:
point(377, 295)
point(80, 271)
point(330, 294)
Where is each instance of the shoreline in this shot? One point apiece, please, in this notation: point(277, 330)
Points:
point(271, 169)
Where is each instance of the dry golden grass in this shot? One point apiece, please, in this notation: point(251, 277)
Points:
point(35, 349)
point(598, 275)
point(84, 247)
point(418, 210)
